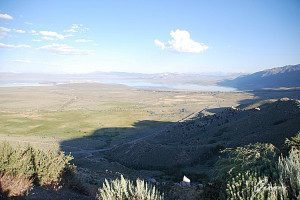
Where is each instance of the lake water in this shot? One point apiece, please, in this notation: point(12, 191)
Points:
point(131, 83)
point(172, 86)
point(24, 84)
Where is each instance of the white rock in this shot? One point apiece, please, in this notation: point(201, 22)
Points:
point(186, 179)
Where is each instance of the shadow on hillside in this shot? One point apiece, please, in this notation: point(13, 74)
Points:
point(89, 150)
point(104, 139)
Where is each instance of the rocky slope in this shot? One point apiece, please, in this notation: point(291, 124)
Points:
point(199, 140)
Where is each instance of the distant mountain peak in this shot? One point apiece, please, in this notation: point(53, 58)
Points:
point(284, 69)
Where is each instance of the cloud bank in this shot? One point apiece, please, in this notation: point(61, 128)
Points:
point(77, 28)
point(64, 49)
point(181, 42)
point(12, 46)
point(83, 40)
point(19, 31)
point(50, 35)
point(4, 31)
point(5, 16)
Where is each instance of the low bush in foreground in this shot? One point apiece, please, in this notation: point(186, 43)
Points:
point(21, 167)
point(289, 172)
point(13, 185)
point(49, 167)
point(123, 189)
point(249, 185)
point(257, 172)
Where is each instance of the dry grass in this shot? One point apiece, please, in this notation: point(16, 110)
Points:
point(13, 186)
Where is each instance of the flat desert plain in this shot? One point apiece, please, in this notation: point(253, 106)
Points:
point(85, 119)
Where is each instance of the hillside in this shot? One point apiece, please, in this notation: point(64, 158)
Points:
point(287, 76)
point(198, 141)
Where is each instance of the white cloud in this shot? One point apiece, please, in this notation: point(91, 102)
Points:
point(5, 16)
point(19, 31)
point(28, 23)
point(181, 42)
point(12, 46)
point(64, 49)
point(33, 32)
point(36, 40)
point(4, 31)
point(50, 35)
point(77, 28)
point(22, 61)
point(82, 40)
point(159, 44)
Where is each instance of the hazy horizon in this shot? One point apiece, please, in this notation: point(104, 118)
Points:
point(59, 37)
point(216, 73)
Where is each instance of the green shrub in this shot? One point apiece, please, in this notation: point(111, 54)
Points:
point(16, 161)
point(294, 142)
point(123, 189)
point(259, 158)
point(257, 172)
point(289, 171)
point(249, 185)
point(41, 167)
point(49, 166)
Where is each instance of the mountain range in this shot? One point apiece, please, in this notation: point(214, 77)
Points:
point(287, 76)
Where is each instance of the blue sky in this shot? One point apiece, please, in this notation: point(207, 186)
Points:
point(148, 36)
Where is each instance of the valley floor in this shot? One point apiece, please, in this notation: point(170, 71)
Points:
point(91, 120)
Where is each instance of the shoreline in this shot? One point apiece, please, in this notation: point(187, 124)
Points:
point(136, 85)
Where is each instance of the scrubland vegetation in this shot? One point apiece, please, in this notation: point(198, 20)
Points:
point(126, 189)
point(23, 167)
point(257, 171)
point(261, 171)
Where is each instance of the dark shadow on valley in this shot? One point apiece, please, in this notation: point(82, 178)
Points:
point(102, 140)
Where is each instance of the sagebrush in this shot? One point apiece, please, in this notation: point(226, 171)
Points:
point(250, 186)
point(123, 189)
point(294, 142)
point(44, 168)
point(259, 158)
point(282, 181)
point(289, 171)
